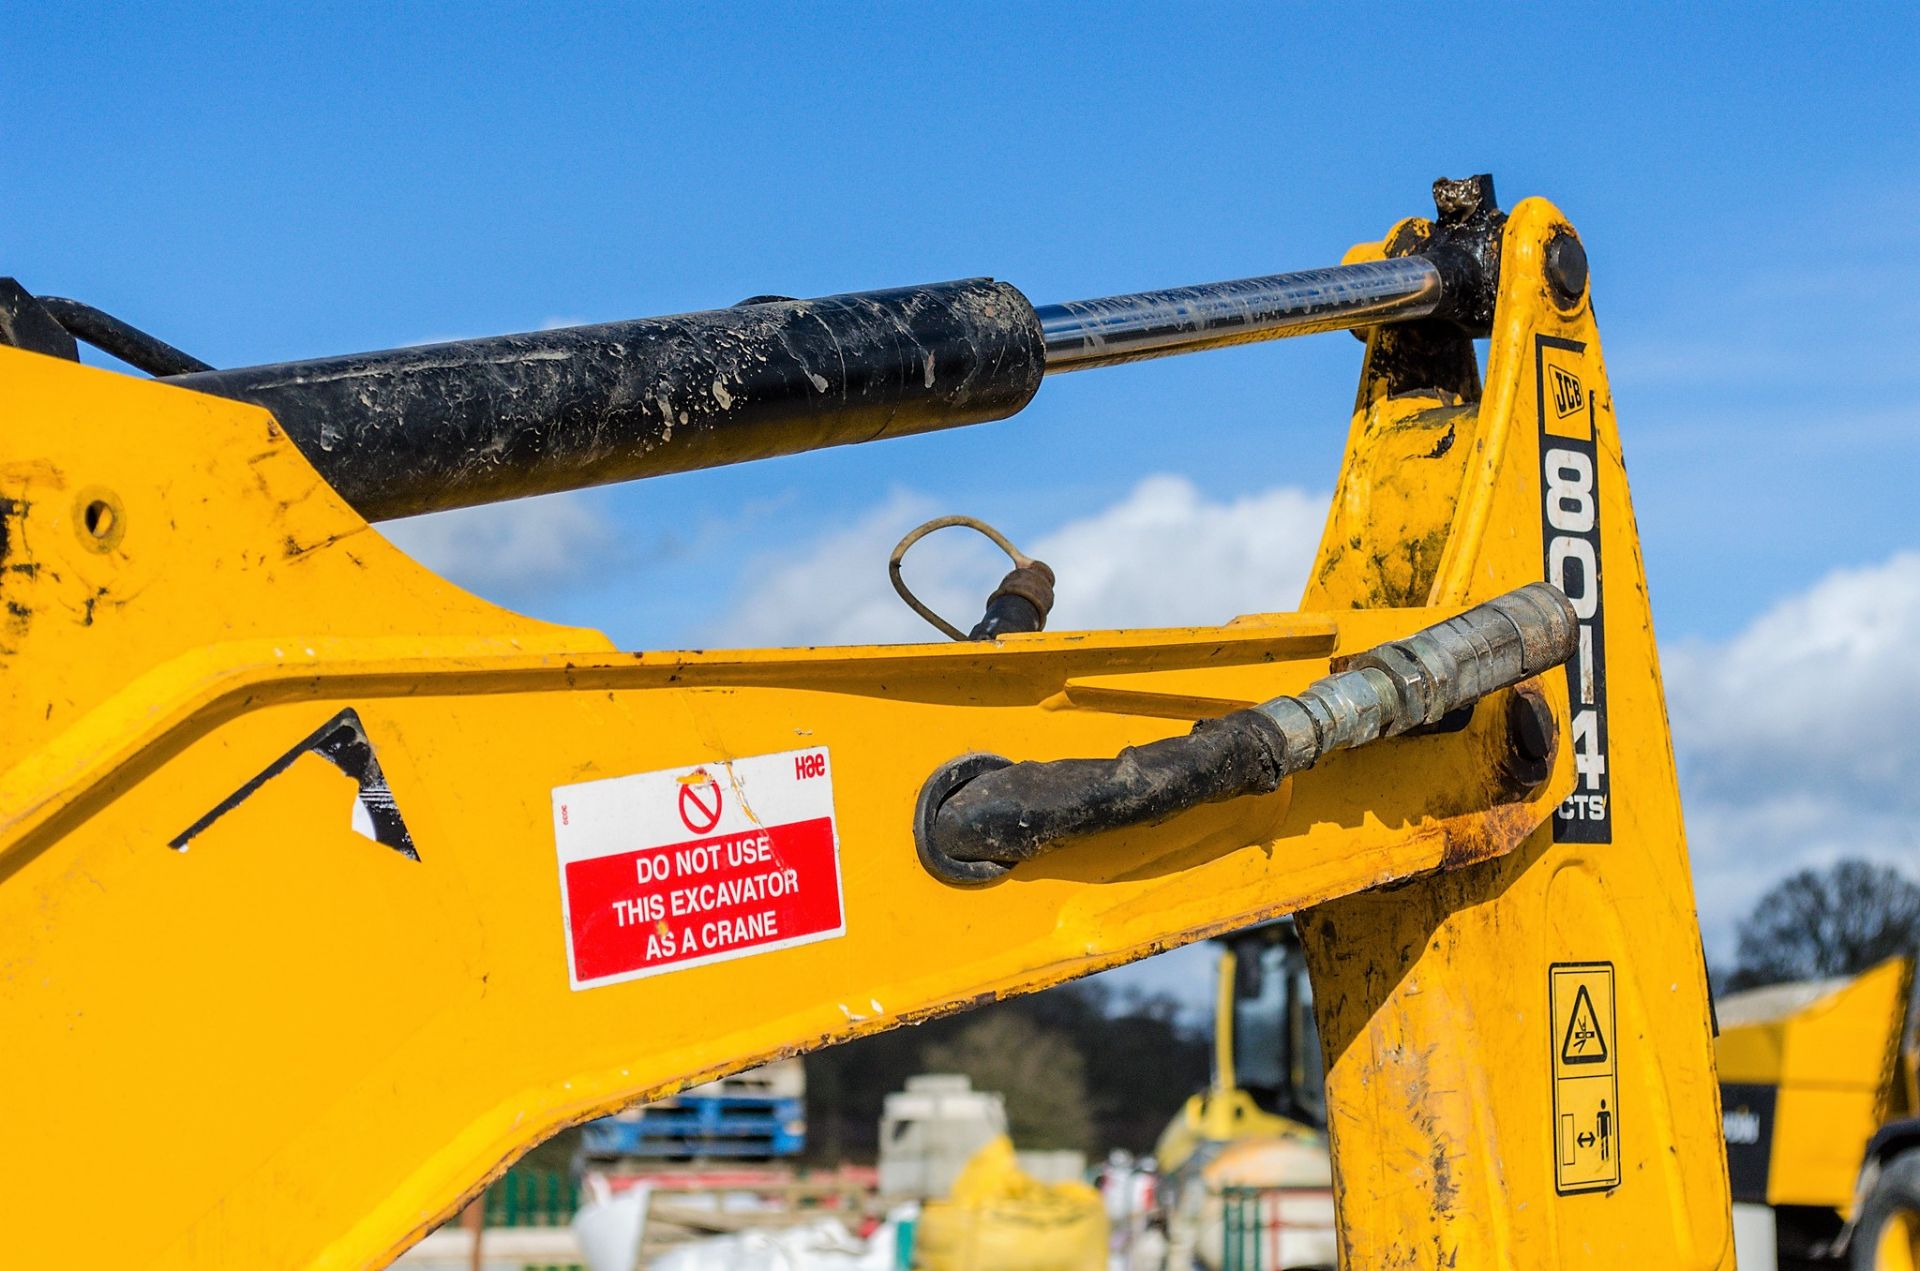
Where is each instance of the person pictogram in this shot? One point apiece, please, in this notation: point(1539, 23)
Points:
point(1603, 1127)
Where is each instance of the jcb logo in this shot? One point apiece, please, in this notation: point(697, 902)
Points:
point(1568, 397)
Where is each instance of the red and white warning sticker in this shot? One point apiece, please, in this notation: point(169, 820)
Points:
point(665, 870)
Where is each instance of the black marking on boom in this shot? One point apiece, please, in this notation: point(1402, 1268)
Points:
point(342, 742)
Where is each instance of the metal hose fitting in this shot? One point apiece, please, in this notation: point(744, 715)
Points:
point(1414, 682)
point(981, 814)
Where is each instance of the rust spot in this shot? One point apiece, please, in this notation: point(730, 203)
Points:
point(1481, 836)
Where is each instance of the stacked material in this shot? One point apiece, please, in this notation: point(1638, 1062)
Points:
point(1001, 1217)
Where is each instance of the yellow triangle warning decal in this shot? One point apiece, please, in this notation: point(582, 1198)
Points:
point(1584, 1043)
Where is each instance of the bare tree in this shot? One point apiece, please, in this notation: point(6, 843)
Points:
point(1822, 923)
point(1038, 1071)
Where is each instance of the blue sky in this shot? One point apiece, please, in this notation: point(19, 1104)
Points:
point(263, 183)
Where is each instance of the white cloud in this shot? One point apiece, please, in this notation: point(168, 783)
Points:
point(833, 589)
point(1797, 744)
point(1796, 738)
point(1166, 555)
point(500, 550)
point(1162, 556)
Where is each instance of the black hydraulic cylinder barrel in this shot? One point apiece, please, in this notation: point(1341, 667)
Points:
point(451, 425)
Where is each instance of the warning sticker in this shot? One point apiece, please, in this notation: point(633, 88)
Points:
point(1570, 523)
point(665, 870)
point(1586, 1087)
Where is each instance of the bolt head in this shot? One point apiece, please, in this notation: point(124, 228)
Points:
point(1530, 740)
point(1566, 269)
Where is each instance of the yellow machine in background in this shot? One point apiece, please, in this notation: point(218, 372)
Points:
point(1819, 1098)
point(1267, 1079)
point(327, 889)
point(1259, 1127)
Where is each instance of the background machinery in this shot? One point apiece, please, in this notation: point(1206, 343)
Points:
point(1251, 1149)
point(1267, 1078)
point(1823, 1142)
point(345, 887)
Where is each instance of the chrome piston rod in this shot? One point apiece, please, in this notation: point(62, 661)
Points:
point(405, 431)
point(1081, 334)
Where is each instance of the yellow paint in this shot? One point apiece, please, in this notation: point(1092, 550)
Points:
point(310, 1049)
point(1223, 973)
point(1898, 1248)
point(1836, 1063)
point(1585, 1041)
point(1433, 998)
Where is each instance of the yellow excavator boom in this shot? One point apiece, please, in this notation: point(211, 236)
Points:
point(327, 889)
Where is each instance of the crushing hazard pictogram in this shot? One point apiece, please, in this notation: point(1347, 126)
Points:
point(1586, 1077)
point(1584, 1042)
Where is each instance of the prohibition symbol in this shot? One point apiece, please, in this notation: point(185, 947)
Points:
point(700, 805)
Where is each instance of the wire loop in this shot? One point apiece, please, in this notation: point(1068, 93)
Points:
point(1020, 561)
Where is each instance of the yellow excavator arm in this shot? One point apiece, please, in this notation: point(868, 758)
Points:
point(327, 889)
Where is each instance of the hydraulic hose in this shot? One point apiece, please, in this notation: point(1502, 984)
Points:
point(981, 814)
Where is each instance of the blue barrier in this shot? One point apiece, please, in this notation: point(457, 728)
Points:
point(721, 1125)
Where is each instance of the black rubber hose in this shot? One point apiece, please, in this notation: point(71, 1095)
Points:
point(1020, 603)
point(1024, 810)
point(979, 815)
point(123, 340)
